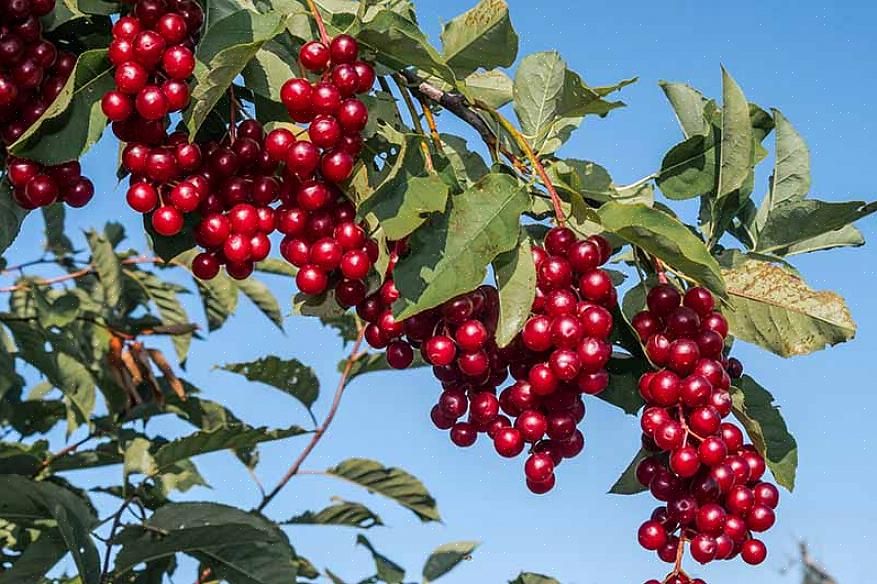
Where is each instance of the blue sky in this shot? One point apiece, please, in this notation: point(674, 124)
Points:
point(816, 62)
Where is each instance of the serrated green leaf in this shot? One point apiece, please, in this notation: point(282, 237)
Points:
point(232, 437)
point(290, 376)
point(627, 483)
point(791, 172)
point(37, 559)
point(451, 252)
point(277, 267)
point(537, 88)
point(494, 88)
point(11, 216)
point(74, 121)
point(407, 196)
point(263, 299)
point(107, 266)
point(398, 43)
point(393, 483)
point(795, 221)
point(736, 151)
point(219, 297)
point(690, 168)
point(847, 236)
point(666, 238)
point(388, 570)
point(582, 178)
point(480, 38)
point(445, 558)
point(776, 309)
point(468, 166)
point(170, 309)
point(58, 313)
point(339, 513)
point(515, 274)
point(25, 501)
point(688, 105)
point(138, 459)
point(754, 408)
point(223, 52)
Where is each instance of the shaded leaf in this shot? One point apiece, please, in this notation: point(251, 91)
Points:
point(493, 88)
point(11, 216)
point(736, 150)
point(339, 513)
point(388, 570)
point(56, 241)
point(263, 299)
point(627, 483)
point(532, 578)
point(755, 409)
point(107, 266)
point(374, 362)
point(791, 172)
point(688, 104)
point(795, 221)
point(446, 557)
point(515, 273)
point(623, 390)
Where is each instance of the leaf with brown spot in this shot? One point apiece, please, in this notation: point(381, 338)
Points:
point(776, 309)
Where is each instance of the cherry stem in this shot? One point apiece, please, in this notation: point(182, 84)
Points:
point(324, 36)
point(524, 145)
point(430, 122)
point(89, 269)
point(64, 452)
point(354, 356)
point(232, 129)
point(680, 550)
point(415, 121)
point(662, 273)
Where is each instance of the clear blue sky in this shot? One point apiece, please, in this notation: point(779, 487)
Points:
point(817, 62)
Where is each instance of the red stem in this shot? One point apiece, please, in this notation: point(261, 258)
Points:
point(324, 36)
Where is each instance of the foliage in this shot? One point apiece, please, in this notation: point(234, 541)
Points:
point(91, 338)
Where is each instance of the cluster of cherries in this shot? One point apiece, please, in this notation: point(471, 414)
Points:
point(709, 481)
point(321, 236)
point(153, 54)
point(32, 74)
point(560, 354)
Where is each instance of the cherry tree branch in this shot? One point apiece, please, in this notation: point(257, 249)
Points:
point(294, 469)
point(89, 269)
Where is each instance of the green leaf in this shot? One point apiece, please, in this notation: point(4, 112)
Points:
point(494, 88)
point(666, 238)
point(582, 178)
point(290, 376)
point(755, 409)
point(74, 121)
point(688, 104)
point(623, 390)
point(388, 570)
point(627, 483)
point(538, 86)
point(795, 221)
point(451, 252)
point(233, 437)
point(58, 313)
point(259, 552)
point(219, 297)
point(776, 309)
point(374, 362)
point(393, 483)
point(532, 578)
point(171, 311)
point(26, 501)
point(690, 168)
point(263, 299)
point(847, 236)
point(736, 150)
point(222, 54)
point(408, 195)
point(445, 558)
point(138, 459)
point(11, 216)
point(791, 172)
point(107, 266)
point(277, 267)
point(398, 43)
point(339, 513)
point(468, 166)
point(480, 38)
point(515, 274)
point(56, 241)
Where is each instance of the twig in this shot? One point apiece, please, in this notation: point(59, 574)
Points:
point(89, 269)
point(430, 122)
point(324, 36)
point(415, 121)
point(117, 519)
point(524, 145)
point(232, 127)
point(41, 261)
point(64, 452)
point(355, 354)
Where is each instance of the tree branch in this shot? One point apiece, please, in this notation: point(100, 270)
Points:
point(89, 269)
point(354, 356)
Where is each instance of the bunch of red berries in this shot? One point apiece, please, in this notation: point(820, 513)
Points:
point(153, 53)
point(321, 236)
point(32, 74)
point(710, 481)
point(560, 355)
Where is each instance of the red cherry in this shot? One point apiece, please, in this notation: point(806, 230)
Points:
point(185, 197)
point(149, 47)
point(366, 75)
point(344, 49)
point(117, 106)
point(684, 462)
point(205, 266)
point(314, 56)
point(539, 467)
point(652, 535)
point(167, 221)
point(464, 434)
point(311, 280)
point(151, 103)
point(239, 271)
point(532, 425)
point(178, 62)
point(355, 264)
point(79, 193)
point(126, 27)
point(142, 197)
point(41, 190)
point(703, 548)
point(662, 299)
point(345, 79)
point(324, 131)
point(596, 286)
point(753, 552)
point(336, 165)
point(399, 355)
point(540, 488)
point(303, 158)
point(508, 442)
point(131, 77)
point(278, 142)
point(353, 116)
point(714, 321)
